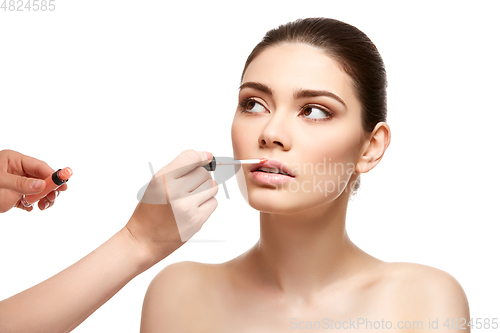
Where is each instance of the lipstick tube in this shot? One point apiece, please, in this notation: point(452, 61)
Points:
point(54, 181)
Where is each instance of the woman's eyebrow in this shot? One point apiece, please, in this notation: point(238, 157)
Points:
point(259, 86)
point(302, 93)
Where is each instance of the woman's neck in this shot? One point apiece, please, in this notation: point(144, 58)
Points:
point(301, 254)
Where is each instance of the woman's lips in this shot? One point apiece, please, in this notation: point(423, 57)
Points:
point(270, 178)
point(270, 163)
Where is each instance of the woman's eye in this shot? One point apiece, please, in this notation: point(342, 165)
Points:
point(250, 105)
point(315, 112)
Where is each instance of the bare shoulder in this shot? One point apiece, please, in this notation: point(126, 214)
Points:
point(427, 291)
point(177, 298)
point(185, 273)
point(425, 280)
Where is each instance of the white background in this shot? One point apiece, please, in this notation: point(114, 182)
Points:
point(105, 87)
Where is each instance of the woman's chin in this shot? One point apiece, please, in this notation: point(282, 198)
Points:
point(275, 202)
point(283, 199)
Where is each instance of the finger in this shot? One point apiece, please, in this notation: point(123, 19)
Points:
point(36, 168)
point(21, 206)
point(21, 184)
point(190, 181)
point(203, 193)
point(51, 196)
point(205, 186)
point(208, 207)
point(44, 203)
point(185, 162)
point(166, 178)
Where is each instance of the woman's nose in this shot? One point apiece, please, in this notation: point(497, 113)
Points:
point(276, 132)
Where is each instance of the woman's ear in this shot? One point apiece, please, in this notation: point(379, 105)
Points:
point(374, 148)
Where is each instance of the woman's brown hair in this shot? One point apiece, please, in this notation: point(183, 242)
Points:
point(348, 45)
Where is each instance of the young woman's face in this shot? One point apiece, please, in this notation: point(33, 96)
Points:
point(297, 106)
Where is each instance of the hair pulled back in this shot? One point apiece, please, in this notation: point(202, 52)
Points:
point(348, 45)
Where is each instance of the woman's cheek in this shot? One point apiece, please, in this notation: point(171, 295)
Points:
point(328, 168)
point(238, 139)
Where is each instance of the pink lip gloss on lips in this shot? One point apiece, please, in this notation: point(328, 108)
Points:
point(272, 172)
point(53, 181)
point(270, 178)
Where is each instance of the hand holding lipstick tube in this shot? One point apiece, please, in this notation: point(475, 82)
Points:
point(53, 182)
point(24, 175)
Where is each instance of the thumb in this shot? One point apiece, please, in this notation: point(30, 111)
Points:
point(22, 185)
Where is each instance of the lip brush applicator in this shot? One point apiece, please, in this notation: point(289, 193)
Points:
point(212, 165)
